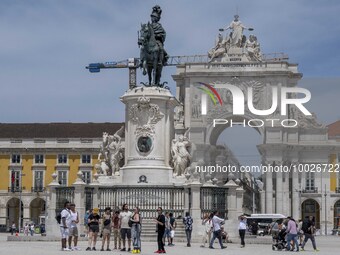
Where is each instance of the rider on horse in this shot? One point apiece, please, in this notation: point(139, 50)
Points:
point(159, 32)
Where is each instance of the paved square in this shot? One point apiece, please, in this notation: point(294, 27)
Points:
point(327, 245)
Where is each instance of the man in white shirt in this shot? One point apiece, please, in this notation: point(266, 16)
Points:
point(242, 227)
point(217, 232)
point(64, 225)
point(73, 228)
point(125, 230)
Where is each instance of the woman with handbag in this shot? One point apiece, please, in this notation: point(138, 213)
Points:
point(135, 224)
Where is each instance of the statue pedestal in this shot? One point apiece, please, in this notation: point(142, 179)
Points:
point(148, 133)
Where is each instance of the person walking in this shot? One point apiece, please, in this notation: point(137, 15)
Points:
point(93, 222)
point(188, 227)
point(26, 229)
point(292, 234)
point(167, 229)
point(116, 230)
point(106, 229)
point(125, 229)
point(160, 223)
point(32, 229)
point(242, 227)
point(206, 222)
point(173, 225)
point(73, 228)
point(13, 228)
point(65, 221)
point(300, 232)
point(136, 230)
point(308, 227)
point(217, 233)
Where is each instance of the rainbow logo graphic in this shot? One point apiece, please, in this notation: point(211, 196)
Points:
point(210, 91)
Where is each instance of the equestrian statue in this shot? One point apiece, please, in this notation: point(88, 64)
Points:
point(152, 53)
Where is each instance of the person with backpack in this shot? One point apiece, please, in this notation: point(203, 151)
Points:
point(187, 220)
point(173, 225)
point(64, 219)
point(308, 227)
point(217, 232)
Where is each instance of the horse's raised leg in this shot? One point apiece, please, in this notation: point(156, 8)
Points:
point(144, 67)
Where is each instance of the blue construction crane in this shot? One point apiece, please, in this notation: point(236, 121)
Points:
point(133, 63)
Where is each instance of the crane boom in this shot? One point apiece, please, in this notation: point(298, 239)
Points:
point(133, 63)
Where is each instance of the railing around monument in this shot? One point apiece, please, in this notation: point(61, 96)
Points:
point(63, 194)
point(214, 199)
point(148, 199)
point(88, 198)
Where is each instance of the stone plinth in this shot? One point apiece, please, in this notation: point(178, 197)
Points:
point(149, 130)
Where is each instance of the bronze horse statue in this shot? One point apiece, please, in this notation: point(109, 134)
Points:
point(151, 55)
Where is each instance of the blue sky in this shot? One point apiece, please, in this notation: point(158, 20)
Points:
point(46, 44)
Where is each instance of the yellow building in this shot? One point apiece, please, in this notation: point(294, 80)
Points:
point(30, 153)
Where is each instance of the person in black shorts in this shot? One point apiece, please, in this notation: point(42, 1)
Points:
point(160, 221)
point(93, 223)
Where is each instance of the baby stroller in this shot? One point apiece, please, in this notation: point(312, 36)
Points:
point(279, 241)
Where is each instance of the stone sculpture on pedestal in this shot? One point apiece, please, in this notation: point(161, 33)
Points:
point(180, 154)
point(111, 153)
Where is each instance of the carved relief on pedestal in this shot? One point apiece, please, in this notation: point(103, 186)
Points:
point(145, 115)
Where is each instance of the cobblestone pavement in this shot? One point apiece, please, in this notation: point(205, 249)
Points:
point(327, 245)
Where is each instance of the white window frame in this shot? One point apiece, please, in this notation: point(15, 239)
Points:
point(43, 178)
point(43, 159)
point(63, 171)
point(86, 163)
point(18, 178)
point(15, 163)
point(309, 181)
point(86, 172)
point(62, 154)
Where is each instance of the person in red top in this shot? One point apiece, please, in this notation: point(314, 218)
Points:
point(116, 230)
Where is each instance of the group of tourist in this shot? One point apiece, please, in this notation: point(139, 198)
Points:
point(126, 227)
point(289, 231)
point(123, 224)
point(214, 229)
point(28, 229)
